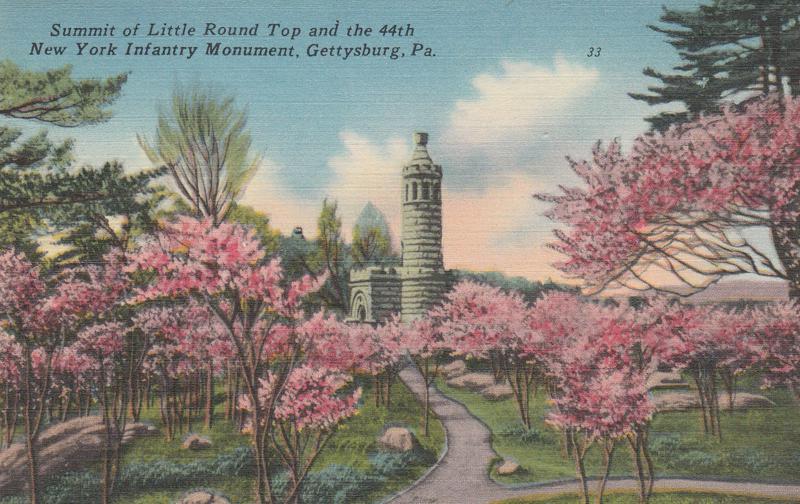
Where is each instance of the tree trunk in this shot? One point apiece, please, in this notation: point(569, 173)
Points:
point(636, 453)
point(786, 240)
point(378, 391)
point(701, 394)
point(427, 407)
point(389, 382)
point(209, 417)
point(33, 465)
point(729, 382)
point(229, 392)
point(580, 469)
point(262, 492)
point(31, 433)
point(608, 455)
point(651, 475)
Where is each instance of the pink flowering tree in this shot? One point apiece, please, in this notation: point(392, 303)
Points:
point(386, 359)
point(424, 343)
point(225, 268)
point(596, 383)
point(484, 322)
point(602, 406)
point(74, 376)
point(676, 208)
point(714, 343)
point(559, 320)
point(45, 315)
point(105, 344)
point(22, 290)
point(164, 365)
point(778, 340)
point(10, 387)
point(311, 404)
point(737, 348)
point(338, 346)
point(357, 349)
point(199, 341)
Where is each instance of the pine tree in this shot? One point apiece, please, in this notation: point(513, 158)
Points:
point(38, 184)
point(731, 50)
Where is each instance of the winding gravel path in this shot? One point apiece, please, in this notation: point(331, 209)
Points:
point(462, 477)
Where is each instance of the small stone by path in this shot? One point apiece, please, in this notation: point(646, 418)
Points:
point(461, 477)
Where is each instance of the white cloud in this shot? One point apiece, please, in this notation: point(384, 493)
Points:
point(491, 222)
point(366, 171)
point(511, 105)
point(267, 193)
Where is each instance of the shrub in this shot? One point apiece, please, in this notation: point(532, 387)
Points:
point(84, 486)
point(387, 464)
point(665, 446)
point(338, 484)
point(164, 474)
point(694, 459)
point(238, 462)
point(73, 487)
point(67, 488)
point(749, 459)
point(519, 433)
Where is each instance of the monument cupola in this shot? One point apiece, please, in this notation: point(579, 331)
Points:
point(422, 209)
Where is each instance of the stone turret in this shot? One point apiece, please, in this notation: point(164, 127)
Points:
point(424, 279)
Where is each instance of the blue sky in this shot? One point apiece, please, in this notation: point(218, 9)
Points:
point(509, 93)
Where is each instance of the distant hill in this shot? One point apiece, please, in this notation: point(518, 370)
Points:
point(736, 290)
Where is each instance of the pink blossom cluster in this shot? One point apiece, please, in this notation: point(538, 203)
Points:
point(336, 345)
point(677, 190)
point(10, 360)
point(311, 398)
point(183, 338)
point(778, 343)
point(194, 257)
point(21, 292)
point(606, 404)
point(477, 318)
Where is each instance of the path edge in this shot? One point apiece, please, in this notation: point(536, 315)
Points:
point(433, 467)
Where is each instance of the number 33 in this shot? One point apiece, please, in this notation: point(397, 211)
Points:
point(594, 51)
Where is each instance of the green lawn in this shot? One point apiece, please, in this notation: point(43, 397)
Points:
point(658, 498)
point(757, 445)
point(350, 446)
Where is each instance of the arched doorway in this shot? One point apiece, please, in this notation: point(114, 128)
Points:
point(360, 307)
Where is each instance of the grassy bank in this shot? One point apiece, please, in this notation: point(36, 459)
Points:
point(761, 445)
point(352, 446)
point(351, 469)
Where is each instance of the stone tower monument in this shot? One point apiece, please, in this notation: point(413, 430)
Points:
point(421, 280)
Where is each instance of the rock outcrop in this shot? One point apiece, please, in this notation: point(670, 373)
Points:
point(203, 497)
point(195, 442)
point(497, 392)
point(472, 381)
point(66, 446)
point(455, 368)
point(507, 468)
point(663, 380)
point(398, 439)
point(682, 401)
